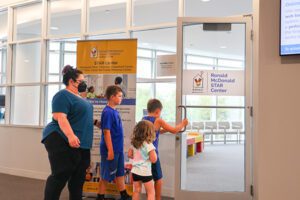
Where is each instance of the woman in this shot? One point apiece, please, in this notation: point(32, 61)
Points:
point(91, 93)
point(68, 138)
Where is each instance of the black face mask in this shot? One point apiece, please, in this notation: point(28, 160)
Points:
point(82, 87)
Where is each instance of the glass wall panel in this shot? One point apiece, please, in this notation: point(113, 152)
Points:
point(65, 16)
point(28, 21)
point(146, 12)
point(27, 62)
point(107, 15)
point(3, 26)
point(217, 8)
point(25, 105)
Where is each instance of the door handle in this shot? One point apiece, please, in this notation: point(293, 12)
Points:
point(184, 114)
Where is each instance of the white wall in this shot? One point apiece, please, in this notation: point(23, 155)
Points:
point(276, 111)
point(22, 153)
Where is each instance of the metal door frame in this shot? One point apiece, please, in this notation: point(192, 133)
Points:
point(247, 194)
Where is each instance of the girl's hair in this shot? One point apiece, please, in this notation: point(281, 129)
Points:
point(70, 72)
point(142, 132)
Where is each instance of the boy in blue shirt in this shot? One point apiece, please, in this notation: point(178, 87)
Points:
point(154, 108)
point(112, 144)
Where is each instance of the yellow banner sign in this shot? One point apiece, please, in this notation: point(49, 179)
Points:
point(107, 56)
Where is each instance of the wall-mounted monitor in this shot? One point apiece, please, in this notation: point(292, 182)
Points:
point(2, 100)
point(290, 27)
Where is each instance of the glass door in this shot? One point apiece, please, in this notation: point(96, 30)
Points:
point(214, 93)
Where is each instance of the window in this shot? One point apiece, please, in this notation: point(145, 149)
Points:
point(27, 62)
point(51, 90)
point(25, 105)
point(3, 62)
point(60, 53)
point(105, 15)
point(108, 36)
point(28, 22)
point(106, 19)
point(3, 26)
point(147, 12)
point(65, 17)
point(166, 93)
point(144, 92)
point(151, 44)
point(196, 8)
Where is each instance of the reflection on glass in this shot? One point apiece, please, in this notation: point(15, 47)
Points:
point(196, 8)
point(108, 36)
point(144, 92)
point(60, 53)
point(27, 62)
point(65, 17)
point(3, 54)
point(51, 91)
point(166, 92)
point(144, 68)
point(158, 39)
point(146, 12)
point(28, 21)
point(107, 15)
point(25, 105)
point(3, 26)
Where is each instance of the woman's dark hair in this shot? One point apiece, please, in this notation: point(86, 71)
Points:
point(111, 91)
point(70, 72)
point(90, 88)
point(143, 132)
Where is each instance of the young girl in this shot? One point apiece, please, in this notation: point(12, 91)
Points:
point(143, 154)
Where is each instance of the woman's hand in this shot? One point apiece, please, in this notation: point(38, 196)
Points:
point(74, 141)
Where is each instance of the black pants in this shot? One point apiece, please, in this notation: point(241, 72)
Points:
point(67, 165)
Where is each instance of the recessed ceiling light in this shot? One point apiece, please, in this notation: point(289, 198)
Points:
point(54, 28)
point(27, 61)
point(223, 47)
point(205, 0)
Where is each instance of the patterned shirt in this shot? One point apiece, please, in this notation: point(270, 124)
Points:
point(141, 164)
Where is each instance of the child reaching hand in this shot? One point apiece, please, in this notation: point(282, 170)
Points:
point(143, 154)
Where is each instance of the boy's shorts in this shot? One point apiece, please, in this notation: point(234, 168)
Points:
point(156, 170)
point(110, 169)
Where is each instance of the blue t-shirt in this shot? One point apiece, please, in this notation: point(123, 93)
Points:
point(155, 142)
point(110, 119)
point(79, 114)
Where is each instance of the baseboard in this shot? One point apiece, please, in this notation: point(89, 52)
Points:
point(24, 173)
point(168, 192)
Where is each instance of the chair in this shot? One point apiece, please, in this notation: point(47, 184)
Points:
point(224, 126)
point(198, 126)
point(211, 126)
point(188, 127)
point(238, 126)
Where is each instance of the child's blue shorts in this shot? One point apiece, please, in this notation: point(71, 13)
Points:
point(156, 170)
point(110, 169)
